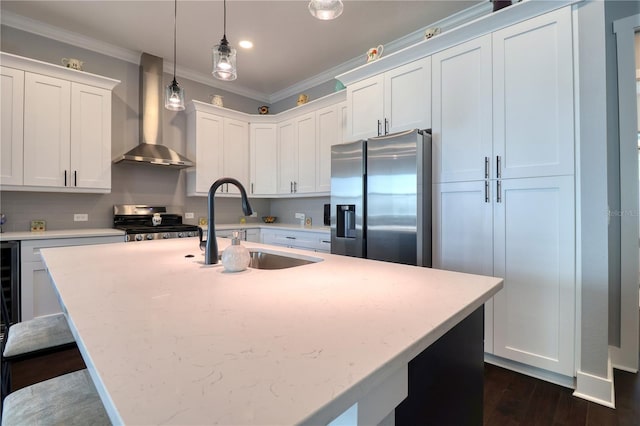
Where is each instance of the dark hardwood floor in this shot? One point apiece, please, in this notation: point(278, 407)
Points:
point(515, 399)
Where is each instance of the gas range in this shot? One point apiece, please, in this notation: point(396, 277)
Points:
point(142, 222)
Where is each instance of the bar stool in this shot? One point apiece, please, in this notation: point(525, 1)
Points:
point(31, 348)
point(70, 399)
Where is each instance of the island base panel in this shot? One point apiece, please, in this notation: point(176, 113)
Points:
point(446, 379)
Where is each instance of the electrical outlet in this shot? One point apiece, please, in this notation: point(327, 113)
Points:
point(80, 217)
point(299, 216)
point(254, 214)
point(189, 215)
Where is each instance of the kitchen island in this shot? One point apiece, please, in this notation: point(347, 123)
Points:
point(169, 340)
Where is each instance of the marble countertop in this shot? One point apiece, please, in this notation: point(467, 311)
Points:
point(169, 340)
point(65, 233)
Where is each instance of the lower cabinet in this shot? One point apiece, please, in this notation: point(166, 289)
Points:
point(522, 230)
point(307, 240)
point(38, 297)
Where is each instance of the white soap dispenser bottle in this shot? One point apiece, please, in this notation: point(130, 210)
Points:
point(235, 258)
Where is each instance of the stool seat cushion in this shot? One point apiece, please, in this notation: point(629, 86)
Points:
point(37, 334)
point(70, 399)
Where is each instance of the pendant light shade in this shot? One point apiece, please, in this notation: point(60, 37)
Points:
point(224, 56)
point(326, 9)
point(173, 94)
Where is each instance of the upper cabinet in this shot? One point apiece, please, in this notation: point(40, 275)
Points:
point(399, 99)
point(503, 103)
point(11, 126)
point(297, 155)
point(218, 142)
point(263, 159)
point(462, 102)
point(56, 128)
point(533, 97)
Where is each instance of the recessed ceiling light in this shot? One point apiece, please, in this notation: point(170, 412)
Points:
point(246, 44)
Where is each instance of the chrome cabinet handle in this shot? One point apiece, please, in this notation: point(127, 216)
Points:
point(291, 187)
point(379, 128)
point(75, 178)
point(498, 166)
point(290, 238)
point(486, 191)
point(486, 167)
point(252, 187)
point(386, 126)
point(295, 186)
point(499, 194)
point(65, 178)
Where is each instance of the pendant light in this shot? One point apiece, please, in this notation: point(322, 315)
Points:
point(326, 9)
point(173, 94)
point(224, 56)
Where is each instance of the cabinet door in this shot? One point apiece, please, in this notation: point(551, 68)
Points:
point(206, 142)
point(11, 126)
point(462, 105)
point(47, 118)
point(235, 161)
point(365, 108)
point(264, 159)
point(287, 156)
point(90, 137)
point(328, 133)
point(533, 96)
point(463, 234)
point(39, 296)
point(534, 252)
point(306, 164)
point(407, 97)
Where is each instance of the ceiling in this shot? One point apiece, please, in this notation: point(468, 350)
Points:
point(290, 46)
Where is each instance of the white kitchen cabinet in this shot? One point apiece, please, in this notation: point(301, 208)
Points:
point(56, 128)
point(297, 155)
point(533, 97)
point(38, 297)
point(329, 132)
point(503, 200)
point(503, 103)
point(399, 99)
point(263, 154)
point(67, 134)
point(11, 126)
point(463, 234)
point(218, 142)
point(462, 112)
point(307, 240)
point(235, 163)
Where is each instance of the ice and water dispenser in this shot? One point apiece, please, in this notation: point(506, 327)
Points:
point(346, 220)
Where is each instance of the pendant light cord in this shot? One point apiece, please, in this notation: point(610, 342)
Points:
point(224, 22)
point(175, 25)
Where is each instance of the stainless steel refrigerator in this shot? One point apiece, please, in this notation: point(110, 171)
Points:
point(381, 198)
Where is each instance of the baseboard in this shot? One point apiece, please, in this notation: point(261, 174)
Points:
point(538, 373)
point(595, 388)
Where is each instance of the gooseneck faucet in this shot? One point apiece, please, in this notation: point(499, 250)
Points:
point(211, 249)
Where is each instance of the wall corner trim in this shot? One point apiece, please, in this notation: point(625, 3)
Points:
point(595, 388)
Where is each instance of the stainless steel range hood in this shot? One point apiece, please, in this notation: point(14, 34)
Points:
point(150, 150)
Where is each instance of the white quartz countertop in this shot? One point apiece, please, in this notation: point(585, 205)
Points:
point(169, 340)
point(65, 233)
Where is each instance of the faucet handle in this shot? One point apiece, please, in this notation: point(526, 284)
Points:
point(203, 244)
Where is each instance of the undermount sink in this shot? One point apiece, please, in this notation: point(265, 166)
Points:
point(260, 259)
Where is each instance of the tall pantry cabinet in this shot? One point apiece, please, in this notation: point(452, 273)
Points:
point(504, 195)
